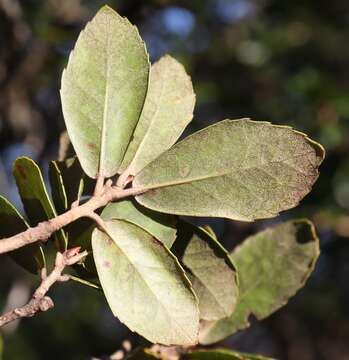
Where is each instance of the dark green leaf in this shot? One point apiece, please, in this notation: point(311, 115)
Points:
point(79, 234)
point(209, 231)
point(144, 284)
point(238, 169)
point(272, 265)
point(75, 182)
point(36, 201)
point(59, 195)
point(30, 257)
point(161, 226)
point(68, 183)
point(212, 273)
point(69, 175)
point(103, 91)
point(222, 354)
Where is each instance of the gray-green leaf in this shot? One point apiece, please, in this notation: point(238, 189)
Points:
point(161, 226)
point(33, 193)
point(272, 265)
point(103, 91)
point(212, 273)
point(222, 354)
point(238, 169)
point(167, 110)
point(31, 256)
point(144, 284)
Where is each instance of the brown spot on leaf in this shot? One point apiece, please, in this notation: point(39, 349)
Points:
point(106, 264)
point(91, 146)
point(156, 241)
point(21, 171)
point(152, 192)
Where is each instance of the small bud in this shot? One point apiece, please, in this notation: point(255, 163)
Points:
point(45, 303)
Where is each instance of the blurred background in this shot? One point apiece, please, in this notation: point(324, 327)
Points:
point(282, 61)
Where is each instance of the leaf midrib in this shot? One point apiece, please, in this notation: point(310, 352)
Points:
point(149, 130)
point(208, 177)
point(213, 296)
point(149, 287)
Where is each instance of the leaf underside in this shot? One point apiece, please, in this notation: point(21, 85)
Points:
point(167, 110)
point(144, 284)
point(161, 226)
point(237, 169)
point(272, 265)
point(211, 271)
point(103, 91)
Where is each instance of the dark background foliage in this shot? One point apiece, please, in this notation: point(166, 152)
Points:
point(282, 61)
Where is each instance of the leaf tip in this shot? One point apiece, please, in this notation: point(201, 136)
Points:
point(106, 9)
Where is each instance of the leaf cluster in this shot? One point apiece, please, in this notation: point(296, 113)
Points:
point(166, 279)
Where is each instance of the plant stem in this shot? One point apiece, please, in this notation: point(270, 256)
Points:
point(40, 301)
point(45, 229)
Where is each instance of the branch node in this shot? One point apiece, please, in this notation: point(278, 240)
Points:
point(104, 194)
point(75, 204)
point(99, 186)
point(46, 303)
point(43, 273)
point(99, 221)
point(64, 278)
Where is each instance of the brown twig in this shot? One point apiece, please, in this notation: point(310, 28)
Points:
point(40, 301)
point(45, 229)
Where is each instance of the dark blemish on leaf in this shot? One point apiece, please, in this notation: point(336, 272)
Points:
point(106, 264)
point(152, 192)
point(156, 241)
point(303, 233)
point(21, 171)
point(109, 241)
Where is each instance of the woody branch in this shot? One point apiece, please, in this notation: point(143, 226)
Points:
point(105, 194)
point(40, 301)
